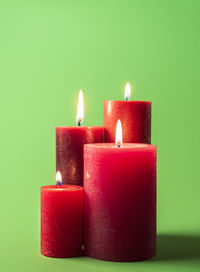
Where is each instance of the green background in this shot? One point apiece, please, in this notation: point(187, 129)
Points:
point(51, 49)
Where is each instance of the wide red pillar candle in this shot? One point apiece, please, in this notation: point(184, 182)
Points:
point(120, 201)
point(135, 117)
point(61, 220)
point(69, 150)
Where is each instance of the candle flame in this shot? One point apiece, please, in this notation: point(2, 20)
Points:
point(58, 178)
point(80, 109)
point(127, 92)
point(118, 137)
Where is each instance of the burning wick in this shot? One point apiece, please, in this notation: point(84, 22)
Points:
point(118, 137)
point(118, 144)
point(58, 178)
point(80, 110)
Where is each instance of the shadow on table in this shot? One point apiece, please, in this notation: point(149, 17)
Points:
point(174, 247)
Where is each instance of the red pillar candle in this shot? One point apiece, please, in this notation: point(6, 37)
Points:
point(69, 147)
point(134, 115)
point(69, 150)
point(120, 201)
point(61, 220)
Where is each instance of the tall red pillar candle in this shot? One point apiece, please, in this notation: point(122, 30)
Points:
point(135, 117)
point(120, 201)
point(61, 220)
point(69, 147)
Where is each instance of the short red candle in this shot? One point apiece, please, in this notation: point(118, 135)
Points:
point(135, 117)
point(69, 150)
point(61, 220)
point(120, 201)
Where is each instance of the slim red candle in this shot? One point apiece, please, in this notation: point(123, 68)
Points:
point(69, 147)
point(134, 115)
point(61, 220)
point(120, 201)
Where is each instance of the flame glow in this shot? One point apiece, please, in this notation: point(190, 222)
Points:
point(118, 137)
point(80, 109)
point(58, 178)
point(127, 92)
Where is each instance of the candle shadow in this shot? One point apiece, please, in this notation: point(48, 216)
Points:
point(177, 247)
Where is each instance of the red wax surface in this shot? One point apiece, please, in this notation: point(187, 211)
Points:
point(135, 117)
point(61, 221)
point(69, 150)
point(120, 201)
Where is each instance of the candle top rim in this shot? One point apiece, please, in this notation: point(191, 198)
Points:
point(129, 101)
point(112, 146)
point(79, 127)
point(65, 187)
